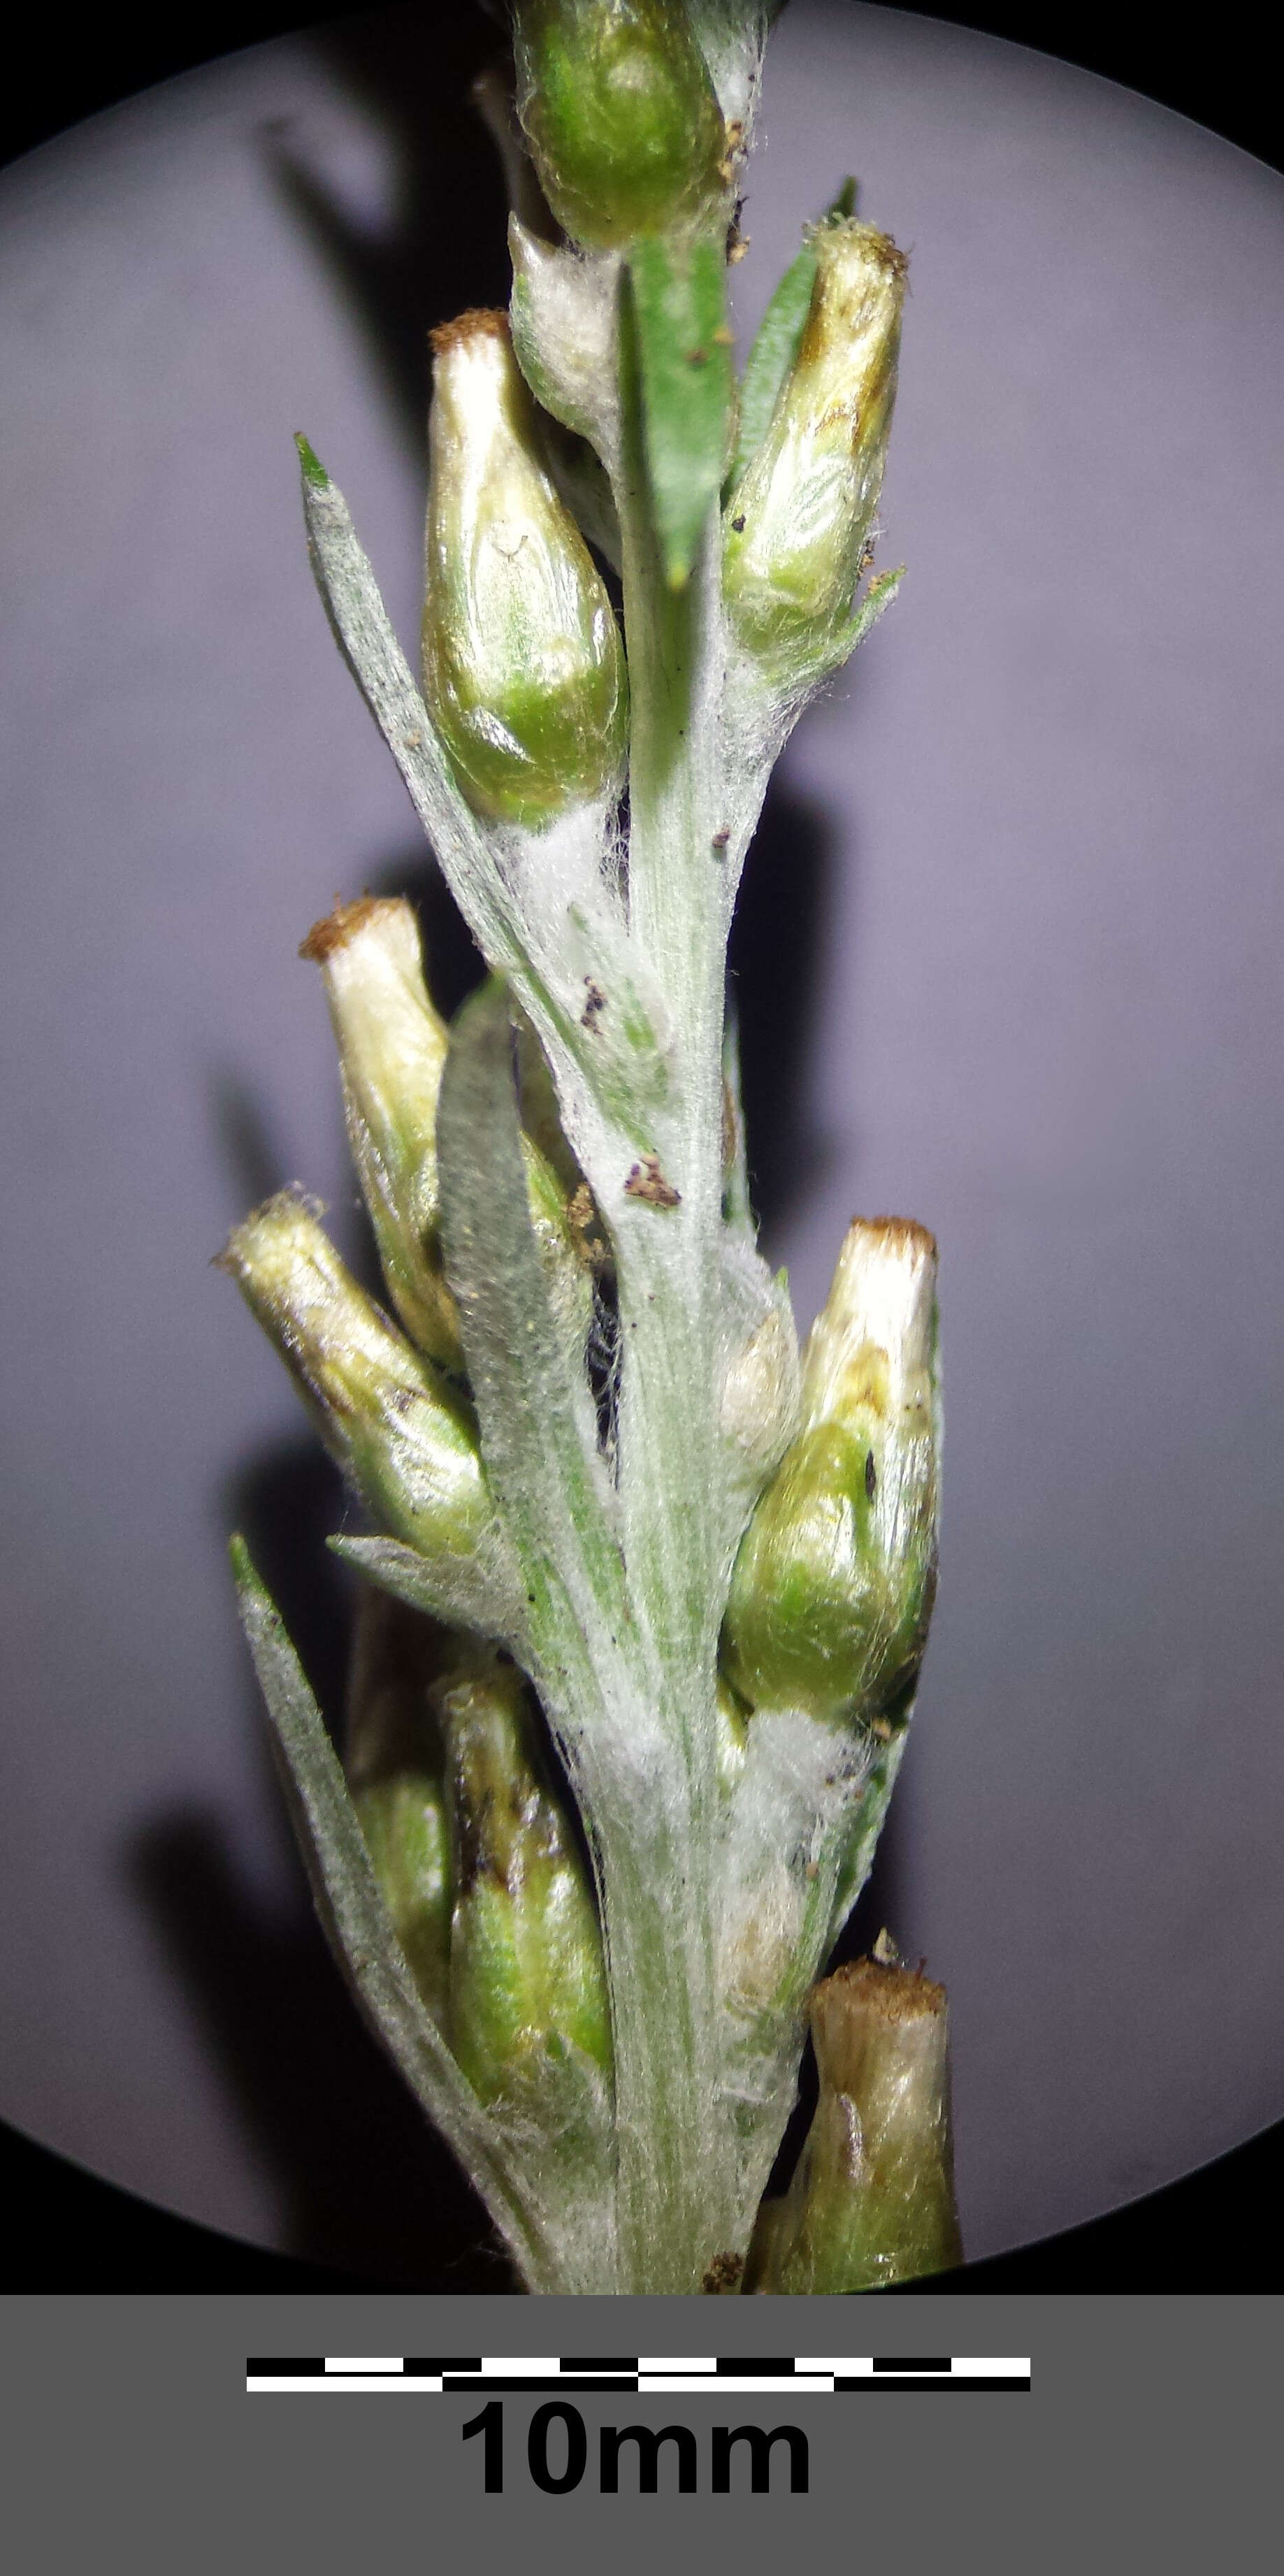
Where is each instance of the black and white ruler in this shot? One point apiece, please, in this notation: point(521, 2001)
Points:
point(517, 2375)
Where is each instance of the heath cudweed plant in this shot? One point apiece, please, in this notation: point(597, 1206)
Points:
point(645, 1592)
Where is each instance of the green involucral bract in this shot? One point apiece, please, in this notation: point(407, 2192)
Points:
point(526, 1974)
point(523, 669)
point(833, 1585)
point(799, 518)
point(395, 1765)
point(620, 114)
point(404, 1823)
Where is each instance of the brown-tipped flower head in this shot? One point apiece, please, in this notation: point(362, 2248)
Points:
point(523, 667)
point(799, 520)
point(392, 1049)
point(873, 2199)
point(833, 1585)
point(396, 1427)
point(621, 116)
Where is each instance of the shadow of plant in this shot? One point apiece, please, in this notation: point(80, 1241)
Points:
point(366, 2185)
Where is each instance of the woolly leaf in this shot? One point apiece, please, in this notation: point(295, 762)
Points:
point(737, 1210)
point(355, 1918)
point(482, 1593)
point(362, 630)
point(538, 1429)
point(731, 34)
point(794, 1838)
point(564, 316)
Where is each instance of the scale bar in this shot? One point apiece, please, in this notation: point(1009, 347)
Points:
point(929, 2385)
point(750, 2374)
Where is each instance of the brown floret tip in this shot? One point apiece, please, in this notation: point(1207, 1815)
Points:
point(895, 1993)
point(899, 1232)
point(480, 322)
point(336, 928)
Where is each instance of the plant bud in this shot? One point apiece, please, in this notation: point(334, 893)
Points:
point(620, 114)
point(523, 667)
point(392, 1047)
point(526, 1973)
point(872, 2201)
point(394, 1424)
point(404, 1822)
point(394, 1760)
point(833, 1585)
point(798, 521)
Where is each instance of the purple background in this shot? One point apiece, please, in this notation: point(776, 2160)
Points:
point(1010, 963)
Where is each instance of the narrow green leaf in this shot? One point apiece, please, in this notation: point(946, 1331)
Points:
point(356, 1922)
point(687, 386)
point(773, 353)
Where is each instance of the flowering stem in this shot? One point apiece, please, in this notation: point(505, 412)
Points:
point(600, 1481)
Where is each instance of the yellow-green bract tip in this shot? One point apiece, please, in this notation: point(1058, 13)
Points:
point(313, 470)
